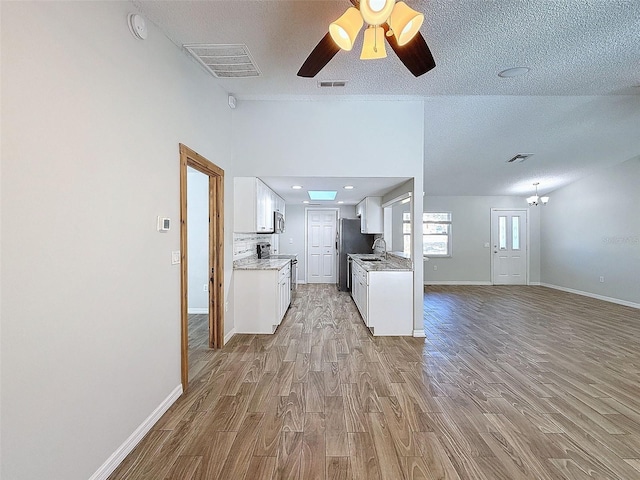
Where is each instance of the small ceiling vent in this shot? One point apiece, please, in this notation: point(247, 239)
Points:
point(329, 83)
point(521, 157)
point(225, 61)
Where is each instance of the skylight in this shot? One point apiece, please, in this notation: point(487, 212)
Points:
point(322, 194)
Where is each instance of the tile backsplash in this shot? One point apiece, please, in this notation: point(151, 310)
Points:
point(245, 244)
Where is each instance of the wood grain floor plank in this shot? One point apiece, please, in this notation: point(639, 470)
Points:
point(338, 468)
point(388, 458)
point(313, 447)
point(336, 426)
point(186, 468)
point(236, 465)
point(260, 468)
point(289, 456)
point(364, 461)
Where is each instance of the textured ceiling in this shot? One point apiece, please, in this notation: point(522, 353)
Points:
point(577, 110)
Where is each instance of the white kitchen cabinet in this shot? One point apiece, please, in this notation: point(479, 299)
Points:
point(384, 300)
point(254, 204)
point(371, 215)
point(359, 290)
point(279, 205)
point(261, 299)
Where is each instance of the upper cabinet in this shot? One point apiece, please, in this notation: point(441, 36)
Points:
point(253, 206)
point(279, 205)
point(371, 215)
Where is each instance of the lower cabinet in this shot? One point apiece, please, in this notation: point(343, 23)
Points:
point(384, 300)
point(261, 299)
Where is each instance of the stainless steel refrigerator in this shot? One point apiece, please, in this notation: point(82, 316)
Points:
point(350, 240)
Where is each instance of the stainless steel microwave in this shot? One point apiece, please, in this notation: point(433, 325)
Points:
point(278, 222)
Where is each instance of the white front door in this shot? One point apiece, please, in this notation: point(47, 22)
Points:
point(321, 246)
point(509, 247)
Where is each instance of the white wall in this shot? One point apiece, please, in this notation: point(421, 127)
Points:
point(91, 121)
point(591, 228)
point(198, 240)
point(471, 229)
point(334, 139)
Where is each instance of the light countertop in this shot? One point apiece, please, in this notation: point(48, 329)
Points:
point(253, 263)
point(391, 263)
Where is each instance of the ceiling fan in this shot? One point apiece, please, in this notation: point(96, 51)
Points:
point(396, 22)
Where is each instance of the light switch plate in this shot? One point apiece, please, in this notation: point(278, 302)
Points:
point(175, 257)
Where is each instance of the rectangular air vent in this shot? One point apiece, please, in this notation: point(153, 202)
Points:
point(329, 83)
point(521, 157)
point(225, 61)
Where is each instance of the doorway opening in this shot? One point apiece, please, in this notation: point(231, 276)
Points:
point(215, 304)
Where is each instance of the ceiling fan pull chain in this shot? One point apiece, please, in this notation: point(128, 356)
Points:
point(375, 39)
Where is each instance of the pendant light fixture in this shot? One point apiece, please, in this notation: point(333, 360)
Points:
point(535, 200)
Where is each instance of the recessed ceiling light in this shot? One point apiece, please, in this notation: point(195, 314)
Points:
point(322, 194)
point(305, 201)
point(340, 201)
point(296, 187)
point(514, 72)
point(348, 187)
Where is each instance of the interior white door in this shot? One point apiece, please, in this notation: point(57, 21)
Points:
point(509, 247)
point(321, 246)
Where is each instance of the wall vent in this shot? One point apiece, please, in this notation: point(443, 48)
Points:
point(521, 157)
point(225, 61)
point(331, 83)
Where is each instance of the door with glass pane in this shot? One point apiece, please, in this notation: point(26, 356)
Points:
point(509, 247)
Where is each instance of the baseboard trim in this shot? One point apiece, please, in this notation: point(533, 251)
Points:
point(229, 335)
point(534, 284)
point(593, 295)
point(456, 282)
point(130, 443)
point(197, 311)
point(419, 333)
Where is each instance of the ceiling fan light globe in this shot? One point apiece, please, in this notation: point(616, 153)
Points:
point(345, 29)
point(405, 22)
point(373, 46)
point(376, 12)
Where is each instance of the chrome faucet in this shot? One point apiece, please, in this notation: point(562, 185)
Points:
point(375, 244)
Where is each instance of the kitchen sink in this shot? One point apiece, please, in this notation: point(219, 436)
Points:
point(371, 259)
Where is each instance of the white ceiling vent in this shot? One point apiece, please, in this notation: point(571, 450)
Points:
point(334, 83)
point(225, 61)
point(521, 157)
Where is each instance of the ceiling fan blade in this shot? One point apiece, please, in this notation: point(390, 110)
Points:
point(415, 55)
point(319, 57)
point(355, 3)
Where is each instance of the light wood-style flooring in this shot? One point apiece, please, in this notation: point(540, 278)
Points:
point(509, 383)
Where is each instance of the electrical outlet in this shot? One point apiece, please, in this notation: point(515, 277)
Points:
point(175, 257)
point(205, 287)
point(291, 241)
point(226, 306)
point(601, 279)
point(435, 267)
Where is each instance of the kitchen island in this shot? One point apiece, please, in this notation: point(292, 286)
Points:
point(382, 289)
